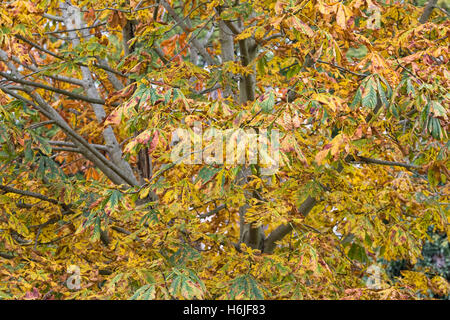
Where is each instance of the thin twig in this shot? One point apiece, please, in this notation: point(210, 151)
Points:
point(363, 75)
point(387, 163)
point(192, 38)
point(40, 124)
point(212, 212)
point(52, 88)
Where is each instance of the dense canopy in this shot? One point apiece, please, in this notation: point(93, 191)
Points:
point(350, 97)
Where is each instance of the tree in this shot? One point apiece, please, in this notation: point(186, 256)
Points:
point(98, 97)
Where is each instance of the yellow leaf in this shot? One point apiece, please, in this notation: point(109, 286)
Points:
point(340, 16)
point(321, 155)
point(247, 33)
point(144, 193)
point(301, 26)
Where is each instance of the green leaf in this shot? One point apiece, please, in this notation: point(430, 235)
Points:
point(261, 65)
point(139, 292)
point(246, 287)
point(96, 233)
point(186, 283)
point(115, 198)
point(369, 98)
point(357, 252)
point(28, 151)
point(206, 173)
point(167, 96)
point(437, 109)
point(357, 99)
point(44, 145)
point(293, 70)
point(410, 88)
point(382, 94)
point(267, 104)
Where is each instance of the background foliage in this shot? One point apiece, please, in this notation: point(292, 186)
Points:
point(91, 92)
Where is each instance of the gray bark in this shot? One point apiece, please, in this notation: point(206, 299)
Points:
point(251, 236)
point(427, 11)
point(227, 52)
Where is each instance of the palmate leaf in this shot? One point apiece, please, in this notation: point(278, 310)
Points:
point(431, 123)
point(206, 173)
point(150, 218)
point(112, 197)
point(435, 129)
point(115, 198)
point(147, 291)
point(245, 287)
point(371, 89)
point(47, 167)
point(357, 252)
point(184, 255)
point(438, 110)
point(186, 284)
point(357, 99)
point(369, 96)
point(267, 104)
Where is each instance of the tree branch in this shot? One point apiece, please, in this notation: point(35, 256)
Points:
point(7, 189)
point(35, 45)
point(40, 124)
point(427, 11)
point(201, 49)
point(73, 19)
point(386, 163)
point(33, 68)
point(53, 89)
point(235, 29)
point(212, 212)
point(71, 145)
point(284, 229)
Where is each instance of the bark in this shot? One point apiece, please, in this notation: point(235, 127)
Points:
point(109, 168)
point(127, 35)
point(51, 88)
point(227, 54)
point(251, 236)
point(427, 11)
point(247, 83)
point(111, 76)
point(40, 48)
point(144, 163)
point(35, 69)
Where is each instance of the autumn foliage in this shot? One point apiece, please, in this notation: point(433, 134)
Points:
point(91, 93)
